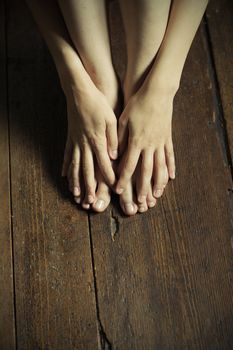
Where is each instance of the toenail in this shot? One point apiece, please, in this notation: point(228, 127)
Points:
point(77, 199)
point(158, 192)
point(90, 198)
point(129, 208)
point(76, 191)
point(151, 204)
point(142, 209)
point(141, 198)
point(99, 204)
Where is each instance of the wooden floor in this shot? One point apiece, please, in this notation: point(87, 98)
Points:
point(73, 280)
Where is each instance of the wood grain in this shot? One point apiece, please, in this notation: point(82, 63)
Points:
point(164, 278)
point(160, 280)
point(55, 294)
point(220, 24)
point(7, 321)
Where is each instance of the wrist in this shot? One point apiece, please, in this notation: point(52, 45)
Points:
point(161, 84)
point(72, 74)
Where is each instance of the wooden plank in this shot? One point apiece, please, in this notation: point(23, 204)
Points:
point(220, 24)
point(7, 321)
point(164, 278)
point(55, 294)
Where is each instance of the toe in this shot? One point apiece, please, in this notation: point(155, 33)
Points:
point(142, 207)
point(102, 197)
point(127, 203)
point(151, 200)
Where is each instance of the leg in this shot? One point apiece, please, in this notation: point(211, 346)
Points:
point(148, 115)
point(145, 22)
point(87, 25)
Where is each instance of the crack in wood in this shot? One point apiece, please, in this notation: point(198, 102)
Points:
point(115, 225)
point(104, 342)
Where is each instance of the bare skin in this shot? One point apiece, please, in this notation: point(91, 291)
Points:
point(146, 122)
point(145, 23)
point(82, 55)
point(87, 25)
point(92, 132)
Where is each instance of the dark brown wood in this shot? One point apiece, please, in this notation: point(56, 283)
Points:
point(160, 280)
point(7, 320)
point(220, 24)
point(164, 278)
point(55, 294)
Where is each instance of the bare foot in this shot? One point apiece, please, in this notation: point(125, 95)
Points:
point(84, 170)
point(146, 123)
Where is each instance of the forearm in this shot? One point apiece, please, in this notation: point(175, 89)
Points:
point(51, 24)
point(183, 23)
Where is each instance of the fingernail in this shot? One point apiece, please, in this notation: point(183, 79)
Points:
point(90, 198)
point(158, 193)
point(173, 175)
point(119, 190)
point(129, 208)
point(77, 200)
point(141, 198)
point(114, 154)
point(99, 204)
point(76, 191)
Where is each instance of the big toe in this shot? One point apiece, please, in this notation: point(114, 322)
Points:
point(102, 198)
point(127, 203)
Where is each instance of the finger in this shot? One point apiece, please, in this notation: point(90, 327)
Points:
point(151, 200)
point(112, 140)
point(122, 134)
point(145, 175)
point(104, 162)
point(67, 157)
point(76, 171)
point(88, 173)
point(160, 173)
point(69, 178)
point(170, 159)
point(130, 163)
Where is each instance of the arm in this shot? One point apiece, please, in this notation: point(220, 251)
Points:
point(87, 123)
point(184, 21)
point(148, 114)
point(50, 22)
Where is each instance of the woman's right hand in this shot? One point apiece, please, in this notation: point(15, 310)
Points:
point(92, 130)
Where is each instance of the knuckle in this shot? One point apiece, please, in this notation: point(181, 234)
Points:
point(135, 141)
point(160, 164)
point(122, 122)
point(146, 168)
point(97, 143)
point(112, 122)
point(75, 163)
point(170, 154)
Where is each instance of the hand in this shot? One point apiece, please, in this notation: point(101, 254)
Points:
point(92, 130)
point(147, 119)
